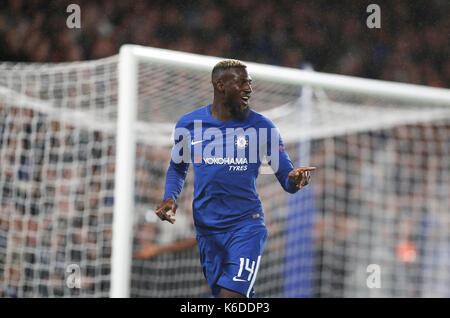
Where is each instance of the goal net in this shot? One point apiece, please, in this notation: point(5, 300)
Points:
point(374, 222)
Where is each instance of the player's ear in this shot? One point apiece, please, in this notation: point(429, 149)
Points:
point(220, 86)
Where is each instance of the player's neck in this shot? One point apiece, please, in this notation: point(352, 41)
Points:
point(220, 112)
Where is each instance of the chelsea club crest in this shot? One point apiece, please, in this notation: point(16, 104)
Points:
point(241, 142)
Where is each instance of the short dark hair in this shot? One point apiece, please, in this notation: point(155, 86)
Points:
point(227, 64)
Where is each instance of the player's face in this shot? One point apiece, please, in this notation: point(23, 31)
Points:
point(238, 89)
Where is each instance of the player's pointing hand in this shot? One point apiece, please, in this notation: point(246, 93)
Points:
point(301, 176)
point(164, 207)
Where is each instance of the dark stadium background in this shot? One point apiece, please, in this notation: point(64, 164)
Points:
point(411, 45)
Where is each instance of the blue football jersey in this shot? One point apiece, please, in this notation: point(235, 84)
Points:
point(226, 157)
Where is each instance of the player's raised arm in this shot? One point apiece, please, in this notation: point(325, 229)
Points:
point(291, 179)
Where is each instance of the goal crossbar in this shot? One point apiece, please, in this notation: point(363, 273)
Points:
point(379, 88)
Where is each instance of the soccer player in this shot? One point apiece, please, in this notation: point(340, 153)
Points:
point(226, 142)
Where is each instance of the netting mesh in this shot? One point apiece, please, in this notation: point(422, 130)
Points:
point(56, 177)
point(380, 195)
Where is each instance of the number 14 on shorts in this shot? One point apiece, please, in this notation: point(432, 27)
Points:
point(249, 266)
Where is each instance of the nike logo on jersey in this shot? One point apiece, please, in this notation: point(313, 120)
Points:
point(196, 142)
point(238, 279)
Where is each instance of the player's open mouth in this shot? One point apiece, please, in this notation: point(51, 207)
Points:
point(244, 100)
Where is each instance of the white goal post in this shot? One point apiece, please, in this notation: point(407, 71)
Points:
point(128, 71)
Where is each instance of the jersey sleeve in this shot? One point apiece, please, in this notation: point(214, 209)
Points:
point(285, 167)
point(278, 152)
point(176, 173)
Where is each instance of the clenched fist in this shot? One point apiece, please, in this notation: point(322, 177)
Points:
point(164, 207)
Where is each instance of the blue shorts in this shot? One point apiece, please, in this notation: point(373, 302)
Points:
point(231, 260)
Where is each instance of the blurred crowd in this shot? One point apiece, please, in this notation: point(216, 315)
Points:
point(411, 45)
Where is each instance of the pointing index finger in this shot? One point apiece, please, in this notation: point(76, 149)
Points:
point(306, 168)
